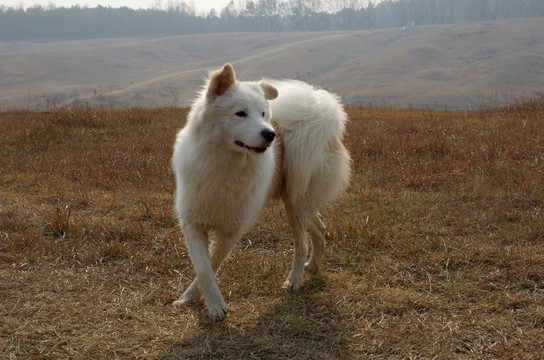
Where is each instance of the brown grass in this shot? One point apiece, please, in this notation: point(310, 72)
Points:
point(435, 251)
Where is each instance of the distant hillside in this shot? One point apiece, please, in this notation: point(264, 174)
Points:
point(442, 66)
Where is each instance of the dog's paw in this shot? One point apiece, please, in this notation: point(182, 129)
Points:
point(218, 310)
point(191, 296)
point(291, 285)
point(183, 301)
point(311, 267)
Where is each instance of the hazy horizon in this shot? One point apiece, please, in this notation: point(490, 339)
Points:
point(201, 5)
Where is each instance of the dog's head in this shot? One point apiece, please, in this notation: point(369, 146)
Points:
point(240, 110)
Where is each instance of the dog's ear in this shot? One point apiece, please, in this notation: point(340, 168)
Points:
point(270, 92)
point(220, 81)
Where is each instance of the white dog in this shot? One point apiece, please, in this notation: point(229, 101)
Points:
point(243, 143)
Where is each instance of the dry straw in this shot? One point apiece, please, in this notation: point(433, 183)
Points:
point(435, 251)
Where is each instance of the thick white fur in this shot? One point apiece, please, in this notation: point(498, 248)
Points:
point(309, 118)
point(224, 174)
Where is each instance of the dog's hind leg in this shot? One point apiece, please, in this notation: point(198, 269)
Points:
point(316, 228)
point(220, 249)
point(298, 219)
point(191, 295)
point(197, 245)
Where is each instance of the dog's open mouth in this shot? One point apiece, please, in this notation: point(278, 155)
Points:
point(252, 149)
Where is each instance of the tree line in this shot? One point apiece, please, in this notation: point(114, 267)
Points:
point(66, 23)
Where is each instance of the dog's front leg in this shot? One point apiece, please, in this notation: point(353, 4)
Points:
point(197, 245)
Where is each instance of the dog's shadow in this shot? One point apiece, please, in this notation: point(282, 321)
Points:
point(304, 325)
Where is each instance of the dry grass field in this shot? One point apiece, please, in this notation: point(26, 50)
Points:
point(436, 251)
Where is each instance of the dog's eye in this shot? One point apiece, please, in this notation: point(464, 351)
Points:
point(241, 114)
point(262, 114)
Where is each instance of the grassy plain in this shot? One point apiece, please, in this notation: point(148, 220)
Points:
point(435, 251)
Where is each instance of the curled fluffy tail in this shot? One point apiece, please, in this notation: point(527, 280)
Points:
point(312, 122)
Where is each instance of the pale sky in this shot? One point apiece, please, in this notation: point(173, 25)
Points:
point(136, 4)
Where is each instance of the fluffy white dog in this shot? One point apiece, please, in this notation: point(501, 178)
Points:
point(245, 142)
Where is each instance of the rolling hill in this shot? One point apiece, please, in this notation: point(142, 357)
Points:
point(458, 66)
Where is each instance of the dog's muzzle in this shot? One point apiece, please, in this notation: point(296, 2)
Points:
point(268, 135)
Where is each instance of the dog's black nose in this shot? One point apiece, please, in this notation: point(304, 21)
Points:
point(268, 135)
